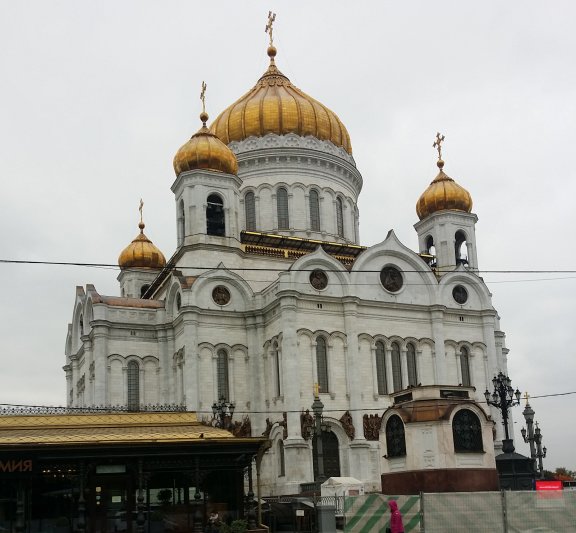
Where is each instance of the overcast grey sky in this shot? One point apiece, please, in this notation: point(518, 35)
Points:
point(96, 97)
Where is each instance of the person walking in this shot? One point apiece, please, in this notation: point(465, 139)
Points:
point(396, 525)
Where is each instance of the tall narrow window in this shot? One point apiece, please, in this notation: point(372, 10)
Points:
point(381, 368)
point(250, 211)
point(339, 217)
point(181, 222)
point(459, 245)
point(465, 366)
point(133, 377)
point(322, 364)
point(277, 381)
point(222, 375)
point(281, 460)
point(314, 211)
point(282, 208)
point(396, 367)
point(215, 224)
point(411, 363)
point(395, 437)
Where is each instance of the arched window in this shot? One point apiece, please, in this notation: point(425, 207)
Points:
point(467, 432)
point(181, 222)
point(314, 210)
point(396, 367)
point(339, 217)
point(143, 289)
point(322, 364)
point(430, 248)
point(282, 208)
point(277, 380)
point(395, 437)
point(459, 244)
point(81, 326)
point(215, 224)
point(281, 459)
point(411, 363)
point(133, 385)
point(250, 211)
point(381, 368)
point(222, 375)
point(330, 455)
point(465, 366)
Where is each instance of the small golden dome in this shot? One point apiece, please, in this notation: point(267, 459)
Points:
point(443, 194)
point(205, 151)
point(274, 105)
point(141, 253)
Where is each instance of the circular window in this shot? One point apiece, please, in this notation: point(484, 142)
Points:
point(391, 279)
point(221, 295)
point(460, 294)
point(318, 279)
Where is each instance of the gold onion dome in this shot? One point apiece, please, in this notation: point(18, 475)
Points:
point(141, 253)
point(443, 194)
point(274, 105)
point(205, 151)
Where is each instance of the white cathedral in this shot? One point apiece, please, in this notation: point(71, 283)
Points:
point(269, 296)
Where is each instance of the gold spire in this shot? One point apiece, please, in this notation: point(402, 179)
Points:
point(141, 252)
point(438, 145)
point(205, 150)
point(443, 194)
point(269, 24)
point(203, 116)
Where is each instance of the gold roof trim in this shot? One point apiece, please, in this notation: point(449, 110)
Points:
point(107, 428)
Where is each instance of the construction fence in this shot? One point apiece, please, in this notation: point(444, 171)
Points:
point(472, 512)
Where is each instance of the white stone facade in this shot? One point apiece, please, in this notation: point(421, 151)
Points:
point(263, 348)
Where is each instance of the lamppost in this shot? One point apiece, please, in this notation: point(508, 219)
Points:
point(223, 411)
point(317, 409)
point(533, 437)
point(503, 398)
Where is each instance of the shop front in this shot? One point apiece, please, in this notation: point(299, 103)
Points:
point(113, 472)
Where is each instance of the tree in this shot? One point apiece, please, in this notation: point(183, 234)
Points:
point(563, 474)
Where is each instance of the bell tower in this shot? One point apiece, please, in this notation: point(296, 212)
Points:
point(446, 229)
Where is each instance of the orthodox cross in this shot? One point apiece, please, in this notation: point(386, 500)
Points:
point(438, 145)
point(268, 29)
point(203, 97)
point(526, 397)
point(140, 209)
point(316, 390)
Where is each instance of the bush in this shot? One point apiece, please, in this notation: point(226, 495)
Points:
point(236, 526)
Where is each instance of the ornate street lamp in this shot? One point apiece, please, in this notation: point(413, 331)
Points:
point(223, 411)
point(503, 398)
point(317, 409)
point(540, 450)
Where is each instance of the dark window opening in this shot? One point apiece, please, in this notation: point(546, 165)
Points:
point(215, 224)
point(381, 368)
point(133, 377)
point(459, 245)
point(282, 208)
point(467, 432)
point(314, 211)
point(395, 437)
point(250, 211)
point(222, 375)
point(322, 364)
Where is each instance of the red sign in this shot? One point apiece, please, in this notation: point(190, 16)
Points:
point(549, 485)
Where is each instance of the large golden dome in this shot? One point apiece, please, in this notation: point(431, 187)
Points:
point(274, 105)
point(205, 151)
point(443, 194)
point(141, 253)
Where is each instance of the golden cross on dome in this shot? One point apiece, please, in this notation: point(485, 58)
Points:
point(203, 97)
point(268, 29)
point(438, 145)
point(140, 209)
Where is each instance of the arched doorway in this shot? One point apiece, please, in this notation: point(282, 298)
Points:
point(330, 454)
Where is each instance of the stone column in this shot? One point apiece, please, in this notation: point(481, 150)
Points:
point(191, 369)
point(290, 365)
point(100, 351)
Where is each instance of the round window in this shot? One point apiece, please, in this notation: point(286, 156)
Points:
point(318, 279)
point(460, 294)
point(391, 279)
point(221, 295)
